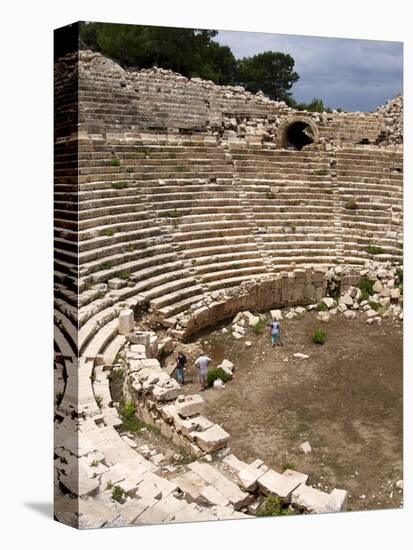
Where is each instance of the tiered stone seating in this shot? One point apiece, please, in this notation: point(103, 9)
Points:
point(370, 184)
point(288, 195)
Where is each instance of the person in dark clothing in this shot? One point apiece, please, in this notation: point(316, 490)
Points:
point(180, 368)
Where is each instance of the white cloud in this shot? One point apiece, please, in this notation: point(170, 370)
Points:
point(348, 73)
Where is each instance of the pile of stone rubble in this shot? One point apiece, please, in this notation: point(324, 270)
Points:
point(391, 114)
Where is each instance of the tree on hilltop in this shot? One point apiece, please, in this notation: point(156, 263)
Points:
point(270, 72)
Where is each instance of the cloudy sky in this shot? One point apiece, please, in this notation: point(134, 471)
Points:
point(357, 75)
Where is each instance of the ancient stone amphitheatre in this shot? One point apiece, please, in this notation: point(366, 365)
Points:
point(187, 215)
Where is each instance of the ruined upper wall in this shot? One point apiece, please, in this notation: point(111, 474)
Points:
point(115, 100)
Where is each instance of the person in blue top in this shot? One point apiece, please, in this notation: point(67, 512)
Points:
point(275, 331)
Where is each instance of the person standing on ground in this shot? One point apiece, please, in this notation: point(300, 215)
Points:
point(275, 331)
point(202, 365)
point(180, 368)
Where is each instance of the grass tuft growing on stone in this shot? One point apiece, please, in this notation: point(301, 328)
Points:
point(351, 204)
point(119, 184)
point(119, 494)
point(114, 162)
point(373, 249)
point(322, 307)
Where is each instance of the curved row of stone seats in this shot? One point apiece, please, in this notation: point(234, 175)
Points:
point(289, 196)
point(371, 189)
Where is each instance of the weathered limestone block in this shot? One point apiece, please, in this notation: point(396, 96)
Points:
point(225, 486)
point(227, 366)
point(234, 464)
point(189, 405)
point(310, 499)
point(166, 390)
point(249, 476)
point(214, 497)
point(212, 439)
point(329, 302)
point(190, 483)
point(298, 476)
point(346, 300)
point(277, 484)
point(337, 501)
point(79, 483)
point(276, 314)
point(116, 283)
point(126, 321)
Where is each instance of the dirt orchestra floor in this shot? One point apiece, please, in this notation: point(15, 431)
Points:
point(346, 399)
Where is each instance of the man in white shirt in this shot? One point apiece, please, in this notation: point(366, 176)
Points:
point(202, 365)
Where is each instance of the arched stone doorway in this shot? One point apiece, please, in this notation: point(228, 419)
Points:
point(296, 133)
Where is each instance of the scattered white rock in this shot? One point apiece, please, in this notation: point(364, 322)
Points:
point(299, 355)
point(306, 447)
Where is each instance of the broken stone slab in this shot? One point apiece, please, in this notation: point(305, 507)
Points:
point(298, 476)
point(341, 308)
point(395, 294)
point(249, 476)
point(299, 355)
point(337, 501)
point(236, 335)
point(227, 366)
point(251, 319)
point(212, 439)
point(349, 314)
point(218, 384)
point(276, 314)
point(234, 464)
point(225, 486)
point(291, 315)
point(117, 283)
point(189, 405)
point(125, 321)
point(214, 497)
point(79, 483)
point(300, 310)
point(378, 286)
point(190, 483)
point(306, 447)
point(273, 483)
point(309, 499)
point(346, 300)
point(327, 301)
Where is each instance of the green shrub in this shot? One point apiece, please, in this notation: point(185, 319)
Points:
point(322, 172)
point(180, 168)
point(288, 466)
point(108, 232)
point(373, 249)
point(172, 214)
point(128, 410)
point(319, 336)
point(270, 195)
point(95, 463)
point(215, 373)
point(130, 248)
point(107, 265)
point(114, 162)
point(118, 494)
point(322, 307)
point(119, 184)
point(374, 305)
point(351, 204)
point(259, 326)
point(59, 398)
point(272, 507)
point(123, 274)
point(117, 374)
point(366, 287)
point(99, 401)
